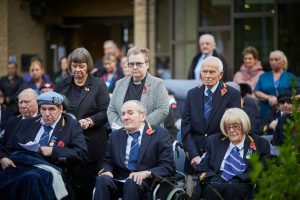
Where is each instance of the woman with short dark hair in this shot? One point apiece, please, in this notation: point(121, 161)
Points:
point(88, 101)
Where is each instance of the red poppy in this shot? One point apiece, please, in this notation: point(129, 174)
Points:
point(174, 105)
point(61, 144)
point(144, 90)
point(223, 91)
point(252, 145)
point(149, 131)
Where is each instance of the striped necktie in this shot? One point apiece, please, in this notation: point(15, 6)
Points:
point(234, 165)
point(207, 105)
point(45, 136)
point(134, 151)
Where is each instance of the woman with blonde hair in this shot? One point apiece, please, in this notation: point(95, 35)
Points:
point(271, 83)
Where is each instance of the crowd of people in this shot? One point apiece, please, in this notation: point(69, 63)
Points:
point(108, 125)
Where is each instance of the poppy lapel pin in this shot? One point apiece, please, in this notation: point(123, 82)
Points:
point(145, 90)
point(149, 131)
point(224, 90)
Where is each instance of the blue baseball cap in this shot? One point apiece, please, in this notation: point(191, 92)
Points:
point(50, 98)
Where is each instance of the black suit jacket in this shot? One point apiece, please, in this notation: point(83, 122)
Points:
point(10, 127)
point(10, 88)
point(92, 103)
point(193, 128)
point(278, 136)
point(66, 131)
point(155, 153)
point(6, 113)
point(216, 148)
point(193, 65)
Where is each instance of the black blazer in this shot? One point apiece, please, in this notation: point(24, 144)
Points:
point(193, 128)
point(92, 103)
point(6, 113)
point(67, 132)
point(10, 88)
point(278, 136)
point(216, 148)
point(9, 129)
point(155, 153)
point(193, 65)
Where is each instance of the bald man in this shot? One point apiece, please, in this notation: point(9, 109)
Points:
point(28, 108)
point(207, 46)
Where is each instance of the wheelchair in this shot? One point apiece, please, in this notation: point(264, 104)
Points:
point(173, 188)
point(170, 188)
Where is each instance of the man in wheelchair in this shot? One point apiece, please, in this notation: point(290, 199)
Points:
point(135, 155)
point(225, 168)
point(30, 160)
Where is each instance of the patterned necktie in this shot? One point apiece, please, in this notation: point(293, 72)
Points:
point(234, 165)
point(207, 105)
point(134, 151)
point(45, 136)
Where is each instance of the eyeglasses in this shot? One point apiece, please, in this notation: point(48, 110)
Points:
point(137, 64)
point(234, 126)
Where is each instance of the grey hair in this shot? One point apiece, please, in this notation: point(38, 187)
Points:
point(215, 59)
point(81, 55)
point(140, 107)
point(235, 114)
point(210, 36)
point(29, 90)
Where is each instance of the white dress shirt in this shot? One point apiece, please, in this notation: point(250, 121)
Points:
point(230, 147)
point(41, 130)
point(129, 140)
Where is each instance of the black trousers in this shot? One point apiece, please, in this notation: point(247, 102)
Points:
point(108, 188)
point(84, 180)
point(215, 189)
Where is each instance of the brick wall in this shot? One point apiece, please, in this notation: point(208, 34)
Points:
point(20, 33)
point(3, 36)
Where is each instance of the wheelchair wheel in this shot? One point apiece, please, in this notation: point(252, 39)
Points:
point(178, 194)
point(183, 196)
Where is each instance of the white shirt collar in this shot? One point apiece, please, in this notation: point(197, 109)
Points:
point(52, 125)
point(239, 145)
point(141, 129)
point(213, 89)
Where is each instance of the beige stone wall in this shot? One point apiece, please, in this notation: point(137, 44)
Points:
point(3, 36)
point(141, 31)
point(26, 35)
point(22, 34)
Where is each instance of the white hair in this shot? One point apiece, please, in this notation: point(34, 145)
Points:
point(29, 90)
point(215, 59)
point(140, 107)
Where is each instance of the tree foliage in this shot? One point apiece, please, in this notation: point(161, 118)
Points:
point(282, 178)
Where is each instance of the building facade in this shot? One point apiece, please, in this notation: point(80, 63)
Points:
point(169, 28)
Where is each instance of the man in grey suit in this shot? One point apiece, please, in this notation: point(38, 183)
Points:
point(140, 86)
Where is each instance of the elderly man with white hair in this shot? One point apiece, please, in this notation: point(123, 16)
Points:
point(135, 155)
point(204, 107)
point(28, 108)
point(207, 46)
